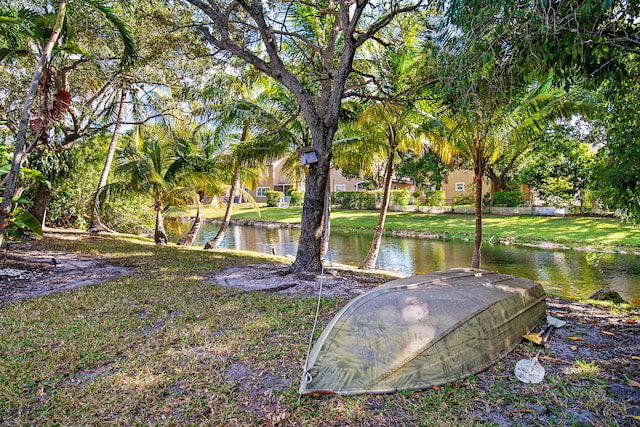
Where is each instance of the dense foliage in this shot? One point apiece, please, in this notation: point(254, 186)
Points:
point(469, 74)
point(508, 198)
point(435, 198)
point(618, 159)
point(273, 197)
point(357, 199)
point(400, 198)
point(560, 165)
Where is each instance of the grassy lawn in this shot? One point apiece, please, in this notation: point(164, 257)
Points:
point(162, 347)
point(570, 231)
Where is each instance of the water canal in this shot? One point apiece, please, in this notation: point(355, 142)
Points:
point(568, 272)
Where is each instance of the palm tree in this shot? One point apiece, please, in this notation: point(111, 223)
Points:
point(95, 225)
point(20, 149)
point(147, 166)
point(392, 121)
point(140, 103)
point(479, 135)
point(193, 168)
point(254, 131)
point(387, 132)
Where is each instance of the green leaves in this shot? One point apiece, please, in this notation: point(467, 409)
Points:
point(586, 38)
point(129, 52)
point(23, 223)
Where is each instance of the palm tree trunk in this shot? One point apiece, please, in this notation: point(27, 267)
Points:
point(96, 226)
point(477, 242)
point(235, 183)
point(160, 235)
point(190, 237)
point(19, 151)
point(369, 262)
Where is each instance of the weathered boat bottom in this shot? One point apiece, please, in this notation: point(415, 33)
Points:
point(421, 331)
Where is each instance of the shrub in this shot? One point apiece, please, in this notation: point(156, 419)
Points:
point(434, 198)
point(130, 215)
point(400, 197)
point(67, 208)
point(297, 197)
point(273, 197)
point(487, 201)
point(462, 199)
point(376, 199)
point(355, 199)
point(509, 199)
point(337, 198)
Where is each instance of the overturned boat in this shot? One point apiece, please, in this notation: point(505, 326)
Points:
point(421, 331)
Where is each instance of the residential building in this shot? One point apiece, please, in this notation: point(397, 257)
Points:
point(460, 182)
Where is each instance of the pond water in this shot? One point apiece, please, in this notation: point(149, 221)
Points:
point(571, 273)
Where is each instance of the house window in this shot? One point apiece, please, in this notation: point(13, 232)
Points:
point(340, 187)
point(459, 186)
point(262, 191)
point(394, 187)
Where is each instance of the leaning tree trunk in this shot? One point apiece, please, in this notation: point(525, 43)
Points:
point(160, 236)
point(477, 242)
point(96, 225)
point(19, 151)
point(40, 202)
point(369, 262)
point(190, 237)
point(235, 183)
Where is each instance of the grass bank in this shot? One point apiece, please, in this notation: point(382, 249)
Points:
point(160, 346)
point(595, 232)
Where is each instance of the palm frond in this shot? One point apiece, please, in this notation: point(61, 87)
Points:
point(130, 49)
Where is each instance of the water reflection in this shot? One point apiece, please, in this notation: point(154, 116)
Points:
point(571, 273)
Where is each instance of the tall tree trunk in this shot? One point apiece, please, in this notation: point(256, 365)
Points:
point(96, 226)
point(326, 221)
point(369, 262)
point(309, 254)
point(190, 237)
point(235, 183)
point(19, 151)
point(477, 242)
point(160, 235)
point(40, 202)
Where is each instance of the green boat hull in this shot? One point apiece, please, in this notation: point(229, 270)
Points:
point(421, 331)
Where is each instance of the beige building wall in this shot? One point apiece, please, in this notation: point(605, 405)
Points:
point(460, 182)
point(337, 182)
point(340, 183)
point(273, 180)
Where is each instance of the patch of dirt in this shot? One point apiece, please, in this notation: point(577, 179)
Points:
point(336, 282)
point(29, 270)
point(592, 335)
